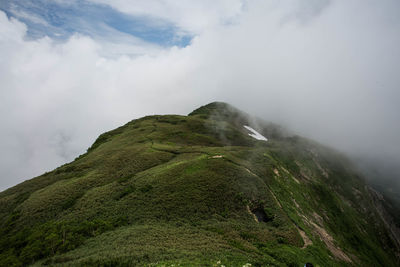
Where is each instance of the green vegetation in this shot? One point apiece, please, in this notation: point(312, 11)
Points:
point(195, 191)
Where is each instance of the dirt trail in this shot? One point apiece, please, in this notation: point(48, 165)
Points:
point(328, 240)
point(251, 213)
point(307, 241)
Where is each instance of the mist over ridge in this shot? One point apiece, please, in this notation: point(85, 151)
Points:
point(324, 69)
point(210, 185)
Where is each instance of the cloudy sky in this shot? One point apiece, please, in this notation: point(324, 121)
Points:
point(70, 70)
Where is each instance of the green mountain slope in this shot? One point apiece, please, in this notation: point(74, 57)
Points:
point(197, 190)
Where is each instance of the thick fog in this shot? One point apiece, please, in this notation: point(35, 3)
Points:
point(329, 70)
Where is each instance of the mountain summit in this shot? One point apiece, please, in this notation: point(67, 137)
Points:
point(199, 190)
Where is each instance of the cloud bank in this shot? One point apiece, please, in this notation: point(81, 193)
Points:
point(326, 69)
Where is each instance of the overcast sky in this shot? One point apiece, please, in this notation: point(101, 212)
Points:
point(70, 70)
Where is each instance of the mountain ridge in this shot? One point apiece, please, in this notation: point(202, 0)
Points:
point(198, 190)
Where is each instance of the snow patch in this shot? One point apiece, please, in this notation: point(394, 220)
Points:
point(255, 134)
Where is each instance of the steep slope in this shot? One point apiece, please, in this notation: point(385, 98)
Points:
point(198, 190)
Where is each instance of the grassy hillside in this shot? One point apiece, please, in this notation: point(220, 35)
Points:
point(196, 190)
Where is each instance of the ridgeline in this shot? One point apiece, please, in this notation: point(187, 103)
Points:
point(198, 190)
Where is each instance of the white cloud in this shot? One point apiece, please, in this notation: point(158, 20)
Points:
point(330, 74)
point(56, 98)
